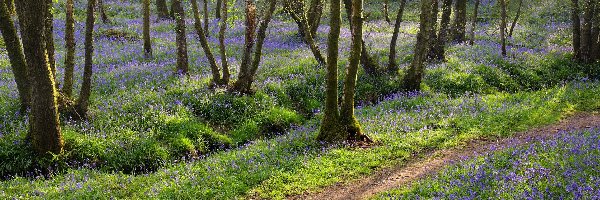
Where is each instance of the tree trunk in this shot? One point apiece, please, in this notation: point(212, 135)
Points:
point(15, 55)
point(67, 88)
point(49, 36)
point(595, 46)
point(262, 33)
point(205, 7)
point(460, 21)
point(412, 80)
point(586, 31)
point(314, 16)
point(576, 29)
point(222, 47)
point(512, 26)
point(86, 86)
point(392, 65)
point(44, 125)
point(350, 124)
point(172, 10)
point(330, 129)
point(244, 75)
point(10, 6)
point(162, 9)
point(182, 56)
point(503, 26)
point(218, 9)
point(296, 11)
point(103, 15)
point(474, 23)
point(147, 43)
point(216, 75)
point(386, 14)
point(439, 48)
point(367, 61)
point(433, 34)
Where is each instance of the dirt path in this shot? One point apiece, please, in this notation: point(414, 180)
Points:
point(434, 161)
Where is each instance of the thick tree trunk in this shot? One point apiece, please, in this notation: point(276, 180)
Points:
point(147, 43)
point(44, 125)
point(474, 22)
point(218, 9)
point(49, 36)
point(216, 75)
point(103, 15)
point(586, 31)
point(67, 88)
point(392, 65)
point(503, 26)
point(433, 36)
point(244, 75)
point(439, 48)
point(460, 21)
point(386, 11)
point(222, 47)
point(514, 23)
point(86, 86)
point(182, 56)
point(595, 46)
point(162, 9)
point(351, 126)
point(262, 33)
point(205, 7)
point(15, 55)
point(576, 29)
point(314, 16)
point(330, 128)
point(414, 75)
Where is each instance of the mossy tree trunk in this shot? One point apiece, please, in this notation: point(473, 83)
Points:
point(15, 55)
point(295, 8)
point(102, 12)
point(216, 75)
point(330, 130)
point(392, 64)
point(86, 86)
point(367, 61)
point(10, 6)
point(503, 26)
point(576, 26)
point(586, 31)
point(460, 21)
point(180, 38)
point(514, 23)
point(433, 36)
point(222, 47)
point(315, 13)
point(147, 42)
point(162, 9)
point(386, 11)
point(67, 88)
point(414, 75)
point(246, 85)
point(474, 23)
point(595, 48)
point(49, 35)
point(205, 8)
point(218, 9)
point(439, 48)
point(44, 125)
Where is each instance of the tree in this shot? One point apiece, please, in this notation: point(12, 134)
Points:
point(503, 26)
point(514, 23)
point(182, 56)
point(15, 55)
point(249, 67)
point(295, 8)
point(412, 80)
point(67, 88)
point(367, 61)
point(576, 29)
point(432, 54)
point(146, 31)
point(10, 6)
point(162, 9)
point(216, 75)
point(392, 65)
point(218, 9)
point(439, 48)
point(44, 125)
point(460, 21)
point(341, 125)
point(103, 15)
point(222, 49)
point(86, 86)
point(474, 22)
point(315, 12)
point(205, 6)
point(49, 35)
point(586, 30)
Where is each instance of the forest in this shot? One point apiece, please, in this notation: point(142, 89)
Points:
point(300, 99)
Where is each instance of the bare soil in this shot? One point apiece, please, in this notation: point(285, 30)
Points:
point(434, 161)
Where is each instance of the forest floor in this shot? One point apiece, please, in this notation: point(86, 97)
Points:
point(434, 161)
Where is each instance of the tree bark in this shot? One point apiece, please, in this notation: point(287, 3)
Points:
point(262, 33)
point(586, 31)
point(330, 128)
point(439, 48)
point(433, 36)
point(392, 65)
point(103, 15)
point(147, 42)
point(86, 86)
point(222, 47)
point(182, 56)
point(296, 10)
point(218, 9)
point(162, 9)
point(460, 21)
point(314, 16)
point(67, 88)
point(10, 6)
point(15, 55)
point(44, 125)
point(503, 26)
point(216, 75)
point(205, 7)
point(576, 29)
point(49, 36)
point(474, 23)
point(595, 46)
point(414, 75)
point(386, 14)
point(367, 61)
point(244, 74)
point(512, 26)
